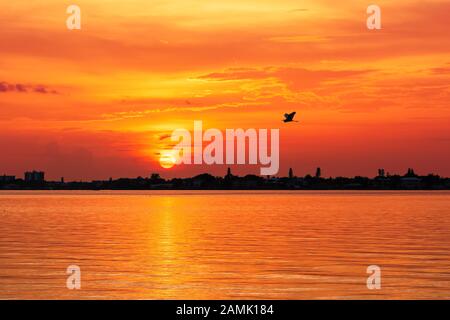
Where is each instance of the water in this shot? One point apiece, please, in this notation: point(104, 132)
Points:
point(224, 245)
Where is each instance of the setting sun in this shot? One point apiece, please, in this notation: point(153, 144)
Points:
point(167, 159)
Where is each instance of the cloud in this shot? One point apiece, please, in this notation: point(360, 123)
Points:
point(23, 88)
point(122, 115)
point(296, 78)
point(441, 70)
point(164, 137)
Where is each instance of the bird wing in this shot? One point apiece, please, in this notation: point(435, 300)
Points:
point(291, 115)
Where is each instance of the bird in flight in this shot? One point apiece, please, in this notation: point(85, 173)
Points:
point(289, 117)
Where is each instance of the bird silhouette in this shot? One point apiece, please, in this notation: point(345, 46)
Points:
point(289, 117)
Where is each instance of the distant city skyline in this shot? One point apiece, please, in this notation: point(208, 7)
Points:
point(183, 171)
point(409, 181)
point(39, 176)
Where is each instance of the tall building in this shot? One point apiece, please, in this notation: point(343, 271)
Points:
point(229, 175)
point(291, 173)
point(34, 176)
point(318, 173)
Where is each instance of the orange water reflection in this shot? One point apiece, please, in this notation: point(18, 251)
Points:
point(224, 245)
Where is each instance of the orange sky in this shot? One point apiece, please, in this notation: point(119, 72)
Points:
point(99, 102)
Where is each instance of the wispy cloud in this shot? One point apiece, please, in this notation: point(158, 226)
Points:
point(25, 88)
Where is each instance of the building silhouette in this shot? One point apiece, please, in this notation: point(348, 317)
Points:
point(35, 180)
point(34, 176)
point(6, 179)
point(318, 173)
point(229, 175)
point(410, 173)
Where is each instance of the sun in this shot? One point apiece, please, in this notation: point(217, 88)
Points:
point(167, 159)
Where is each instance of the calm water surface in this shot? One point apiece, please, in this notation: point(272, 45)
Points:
point(224, 245)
